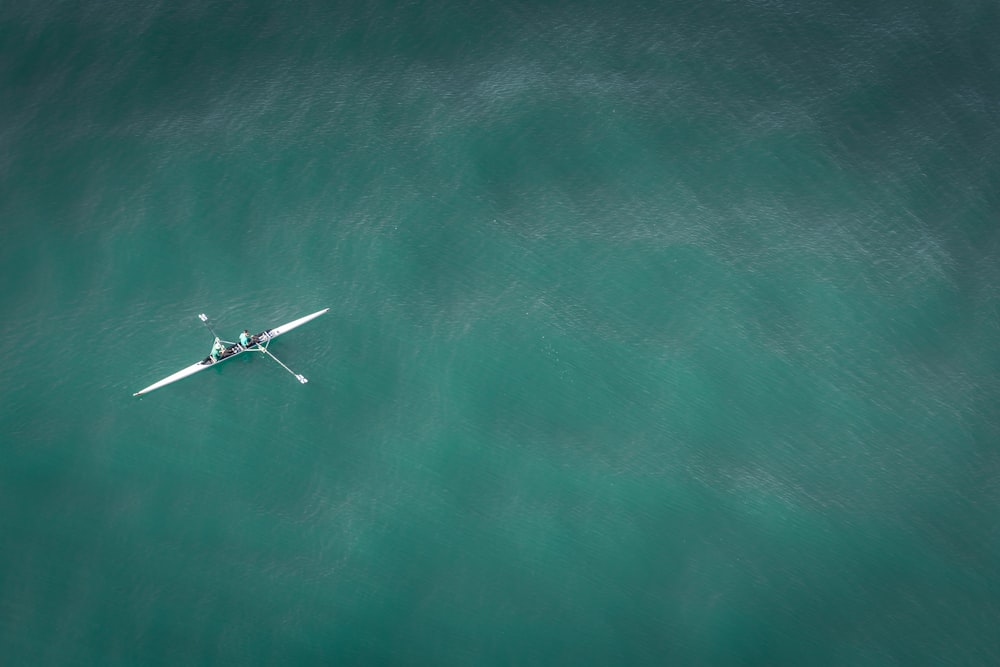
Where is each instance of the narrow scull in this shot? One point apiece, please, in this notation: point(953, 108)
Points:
point(258, 343)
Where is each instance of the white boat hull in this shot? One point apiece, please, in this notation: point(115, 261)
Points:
point(263, 337)
point(285, 328)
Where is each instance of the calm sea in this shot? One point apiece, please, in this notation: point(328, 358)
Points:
point(661, 333)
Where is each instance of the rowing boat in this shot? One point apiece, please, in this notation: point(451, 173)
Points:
point(258, 343)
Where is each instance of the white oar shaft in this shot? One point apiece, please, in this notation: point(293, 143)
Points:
point(204, 318)
point(298, 376)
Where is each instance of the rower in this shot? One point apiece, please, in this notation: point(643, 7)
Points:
point(217, 350)
point(245, 338)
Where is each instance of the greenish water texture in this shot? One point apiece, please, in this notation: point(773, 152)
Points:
point(660, 334)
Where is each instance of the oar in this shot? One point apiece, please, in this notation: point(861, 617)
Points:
point(301, 378)
point(204, 318)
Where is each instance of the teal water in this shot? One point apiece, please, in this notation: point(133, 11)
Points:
point(661, 334)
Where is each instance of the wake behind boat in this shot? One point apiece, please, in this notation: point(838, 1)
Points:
point(257, 343)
